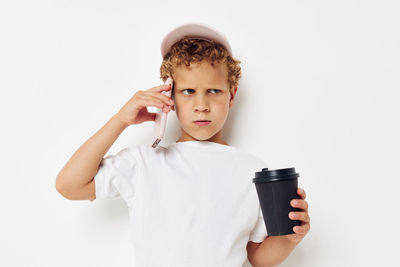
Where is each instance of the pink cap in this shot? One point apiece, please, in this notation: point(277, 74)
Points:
point(195, 31)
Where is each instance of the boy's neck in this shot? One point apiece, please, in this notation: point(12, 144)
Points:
point(215, 139)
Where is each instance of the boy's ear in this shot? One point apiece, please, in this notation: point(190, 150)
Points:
point(232, 96)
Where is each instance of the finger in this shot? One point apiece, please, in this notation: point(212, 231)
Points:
point(301, 193)
point(303, 229)
point(149, 101)
point(299, 203)
point(160, 88)
point(150, 116)
point(167, 109)
point(299, 216)
point(165, 99)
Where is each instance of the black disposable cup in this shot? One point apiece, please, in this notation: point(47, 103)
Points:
point(275, 190)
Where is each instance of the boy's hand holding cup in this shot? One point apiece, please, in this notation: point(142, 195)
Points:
point(303, 217)
point(135, 110)
point(283, 211)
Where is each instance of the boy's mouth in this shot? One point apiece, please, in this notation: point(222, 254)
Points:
point(202, 122)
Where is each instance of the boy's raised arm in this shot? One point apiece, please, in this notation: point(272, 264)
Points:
point(76, 179)
point(81, 168)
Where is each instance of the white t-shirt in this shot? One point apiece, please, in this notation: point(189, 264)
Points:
point(191, 203)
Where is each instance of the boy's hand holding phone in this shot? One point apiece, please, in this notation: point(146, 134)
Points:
point(135, 110)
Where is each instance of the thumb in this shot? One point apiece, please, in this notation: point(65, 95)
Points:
point(150, 116)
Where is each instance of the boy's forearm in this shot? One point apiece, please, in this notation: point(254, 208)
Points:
point(273, 251)
point(83, 164)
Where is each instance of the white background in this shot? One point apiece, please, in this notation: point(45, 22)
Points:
point(320, 92)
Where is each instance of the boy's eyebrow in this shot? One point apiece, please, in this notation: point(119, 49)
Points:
point(184, 88)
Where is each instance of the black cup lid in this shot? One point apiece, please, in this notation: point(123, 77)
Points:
point(275, 175)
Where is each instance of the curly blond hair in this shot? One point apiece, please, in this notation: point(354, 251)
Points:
point(187, 50)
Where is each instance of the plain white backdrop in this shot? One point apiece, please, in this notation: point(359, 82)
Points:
point(319, 92)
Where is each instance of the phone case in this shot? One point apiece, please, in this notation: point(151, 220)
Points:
point(161, 118)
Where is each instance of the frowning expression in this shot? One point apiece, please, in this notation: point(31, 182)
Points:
point(201, 92)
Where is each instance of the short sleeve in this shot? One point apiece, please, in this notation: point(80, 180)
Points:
point(117, 175)
point(259, 232)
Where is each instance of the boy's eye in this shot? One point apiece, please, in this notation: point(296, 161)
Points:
point(215, 90)
point(187, 90)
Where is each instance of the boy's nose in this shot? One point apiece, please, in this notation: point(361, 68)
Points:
point(201, 104)
point(202, 108)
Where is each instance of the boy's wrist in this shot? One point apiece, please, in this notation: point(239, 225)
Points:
point(293, 241)
point(120, 121)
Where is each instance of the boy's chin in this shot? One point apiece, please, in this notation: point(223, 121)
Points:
point(202, 137)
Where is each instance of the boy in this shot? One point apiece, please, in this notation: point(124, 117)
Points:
point(191, 203)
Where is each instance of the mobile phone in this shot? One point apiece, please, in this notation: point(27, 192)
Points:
point(161, 118)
